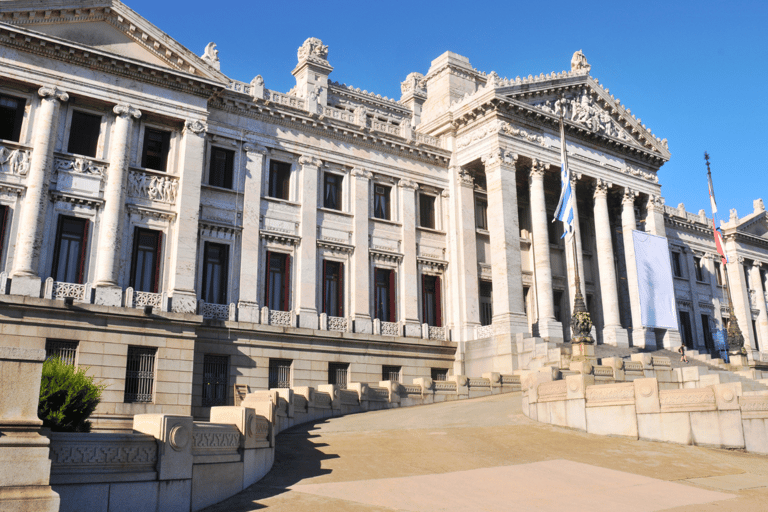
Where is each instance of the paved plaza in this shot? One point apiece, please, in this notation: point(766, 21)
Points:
point(484, 455)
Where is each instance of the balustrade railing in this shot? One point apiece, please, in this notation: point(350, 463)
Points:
point(390, 329)
point(436, 333)
point(237, 86)
point(280, 318)
point(60, 290)
point(483, 331)
point(336, 113)
point(137, 299)
point(154, 187)
point(337, 323)
point(284, 99)
point(215, 311)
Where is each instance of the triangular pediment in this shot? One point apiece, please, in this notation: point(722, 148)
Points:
point(108, 26)
point(755, 224)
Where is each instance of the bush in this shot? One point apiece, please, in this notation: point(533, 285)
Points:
point(67, 397)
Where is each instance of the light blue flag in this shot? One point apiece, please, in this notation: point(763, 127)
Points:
point(564, 211)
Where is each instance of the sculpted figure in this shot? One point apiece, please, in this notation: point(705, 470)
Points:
point(211, 55)
point(579, 62)
point(313, 48)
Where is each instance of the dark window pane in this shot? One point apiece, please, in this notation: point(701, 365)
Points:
point(222, 166)
point(439, 374)
point(156, 146)
point(277, 276)
point(69, 249)
point(486, 303)
point(215, 266)
point(215, 380)
point(381, 202)
point(332, 191)
point(481, 213)
point(84, 134)
point(140, 374)
point(427, 211)
point(390, 373)
point(337, 374)
point(332, 288)
point(279, 179)
point(11, 116)
point(145, 260)
point(697, 268)
point(382, 294)
point(279, 373)
point(431, 300)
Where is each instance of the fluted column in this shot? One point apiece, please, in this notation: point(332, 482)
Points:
point(508, 312)
point(762, 319)
point(360, 280)
point(549, 328)
point(641, 337)
point(613, 334)
point(25, 278)
point(107, 292)
point(408, 292)
point(247, 305)
point(306, 262)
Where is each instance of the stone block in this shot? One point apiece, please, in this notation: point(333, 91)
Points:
point(462, 382)
point(576, 385)
point(244, 418)
point(174, 454)
point(174, 495)
point(617, 420)
point(756, 435)
point(28, 286)
point(256, 464)
point(645, 359)
point(722, 429)
point(133, 497)
point(692, 373)
point(286, 394)
point(646, 396)
point(727, 396)
point(412, 330)
point(576, 414)
point(212, 483)
point(108, 296)
point(308, 320)
point(20, 372)
point(616, 363)
point(83, 498)
point(248, 312)
point(710, 379)
point(363, 325)
point(668, 427)
point(557, 413)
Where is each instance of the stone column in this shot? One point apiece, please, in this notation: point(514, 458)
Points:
point(549, 328)
point(306, 262)
point(613, 334)
point(508, 311)
point(762, 319)
point(247, 305)
point(183, 261)
point(465, 305)
point(26, 260)
point(641, 337)
point(107, 292)
point(408, 311)
point(740, 293)
point(360, 279)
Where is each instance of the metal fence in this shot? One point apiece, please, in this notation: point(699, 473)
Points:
point(279, 373)
point(215, 377)
point(140, 374)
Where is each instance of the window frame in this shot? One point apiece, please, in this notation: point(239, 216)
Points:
point(339, 191)
point(149, 391)
point(431, 295)
point(387, 371)
point(228, 173)
point(387, 199)
point(224, 290)
point(273, 377)
point(486, 313)
point(390, 284)
point(698, 271)
point(481, 213)
point(432, 212)
point(327, 293)
point(82, 257)
point(286, 281)
point(677, 265)
point(156, 270)
point(219, 387)
point(93, 149)
point(165, 148)
point(334, 369)
point(284, 173)
point(54, 347)
point(18, 121)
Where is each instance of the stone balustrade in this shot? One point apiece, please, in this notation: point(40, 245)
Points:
point(337, 113)
point(60, 290)
point(284, 99)
point(483, 331)
point(283, 318)
point(391, 329)
point(217, 311)
point(136, 299)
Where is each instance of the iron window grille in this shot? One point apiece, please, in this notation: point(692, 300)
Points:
point(337, 374)
point(390, 373)
point(280, 373)
point(140, 375)
point(439, 374)
point(215, 379)
point(64, 350)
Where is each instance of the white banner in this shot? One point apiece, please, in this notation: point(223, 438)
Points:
point(654, 281)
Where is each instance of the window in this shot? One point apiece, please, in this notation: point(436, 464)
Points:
point(221, 169)
point(427, 211)
point(332, 191)
point(381, 202)
point(278, 286)
point(140, 374)
point(390, 373)
point(215, 380)
point(64, 350)
point(526, 296)
point(215, 278)
point(439, 374)
point(481, 213)
point(677, 268)
point(333, 288)
point(557, 298)
point(145, 265)
point(718, 274)
point(337, 374)
point(384, 294)
point(697, 269)
point(279, 179)
point(280, 373)
point(4, 212)
point(486, 302)
point(685, 329)
point(11, 116)
point(754, 336)
point(708, 342)
point(430, 301)
point(84, 134)
point(69, 251)
point(156, 146)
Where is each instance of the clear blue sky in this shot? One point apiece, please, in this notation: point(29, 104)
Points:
point(696, 73)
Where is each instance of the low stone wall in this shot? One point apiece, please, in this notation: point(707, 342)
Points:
point(172, 463)
point(718, 415)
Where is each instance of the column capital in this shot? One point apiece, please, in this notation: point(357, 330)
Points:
point(53, 93)
point(126, 111)
point(655, 203)
point(601, 188)
point(538, 169)
point(575, 177)
point(254, 149)
point(359, 172)
point(740, 259)
point(408, 184)
point(756, 264)
point(500, 156)
point(306, 160)
point(628, 198)
point(465, 178)
point(196, 127)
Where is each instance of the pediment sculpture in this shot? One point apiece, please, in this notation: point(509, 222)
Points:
point(313, 49)
point(584, 111)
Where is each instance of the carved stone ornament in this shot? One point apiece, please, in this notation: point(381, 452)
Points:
point(310, 160)
point(211, 55)
point(127, 111)
point(500, 157)
point(252, 148)
point(583, 110)
point(313, 49)
point(409, 184)
point(579, 63)
point(628, 197)
point(538, 169)
point(52, 93)
point(196, 127)
point(258, 81)
point(656, 203)
point(601, 188)
point(361, 173)
point(414, 84)
point(734, 217)
point(14, 161)
point(465, 178)
point(78, 165)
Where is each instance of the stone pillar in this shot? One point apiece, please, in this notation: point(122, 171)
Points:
point(247, 305)
point(306, 264)
point(107, 292)
point(641, 337)
point(654, 218)
point(183, 261)
point(408, 311)
point(463, 247)
point(360, 279)
point(26, 260)
point(740, 293)
point(25, 468)
point(613, 334)
point(549, 328)
point(508, 311)
point(762, 319)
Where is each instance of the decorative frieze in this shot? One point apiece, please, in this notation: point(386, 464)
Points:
point(698, 399)
point(14, 160)
point(79, 165)
point(551, 391)
point(143, 185)
point(611, 394)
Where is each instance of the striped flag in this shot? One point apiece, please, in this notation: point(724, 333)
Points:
point(564, 211)
point(719, 244)
point(711, 194)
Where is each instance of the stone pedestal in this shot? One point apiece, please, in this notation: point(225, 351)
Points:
point(248, 312)
point(645, 338)
point(25, 468)
point(29, 286)
point(108, 296)
point(581, 352)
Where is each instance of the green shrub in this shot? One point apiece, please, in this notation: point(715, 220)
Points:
point(67, 397)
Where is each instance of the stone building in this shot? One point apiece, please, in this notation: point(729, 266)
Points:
point(180, 232)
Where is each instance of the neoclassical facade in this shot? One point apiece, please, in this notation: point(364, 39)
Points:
point(180, 232)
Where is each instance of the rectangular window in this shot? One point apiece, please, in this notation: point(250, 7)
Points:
point(279, 179)
point(390, 373)
point(384, 294)
point(481, 213)
point(222, 168)
point(145, 265)
point(685, 329)
point(381, 202)
point(337, 374)
point(427, 211)
point(69, 252)
point(333, 288)
point(677, 267)
point(215, 273)
point(332, 191)
point(705, 327)
point(11, 116)
point(4, 213)
point(280, 373)
point(439, 374)
point(84, 134)
point(64, 350)
point(754, 336)
point(140, 374)
point(697, 269)
point(278, 285)
point(557, 298)
point(215, 380)
point(157, 143)
point(486, 302)
point(718, 274)
point(430, 301)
